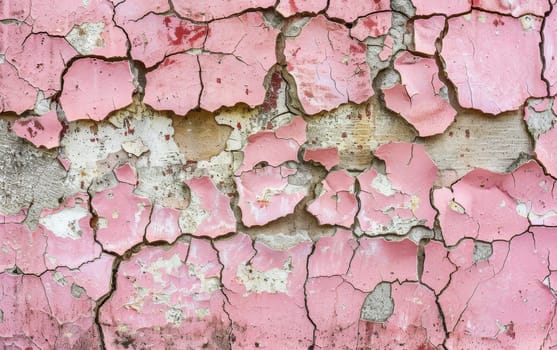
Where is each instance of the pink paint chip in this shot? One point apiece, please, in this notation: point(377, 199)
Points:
point(244, 52)
point(15, 9)
point(16, 94)
point(426, 33)
point(374, 25)
point(328, 157)
point(85, 98)
point(220, 219)
point(163, 225)
point(328, 66)
point(510, 70)
point(337, 203)
point(174, 85)
point(265, 194)
point(515, 8)
point(358, 8)
point(451, 7)
point(289, 8)
point(421, 98)
point(126, 173)
point(274, 147)
point(206, 11)
point(154, 37)
point(40, 131)
point(41, 61)
point(398, 200)
point(123, 217)
point(69, 236)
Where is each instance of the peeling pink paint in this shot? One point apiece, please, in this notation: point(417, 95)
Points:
point(265, 194)
point(398, 200)
point(323, 84)
point(83, 98)
point(171, 175)
point(337, 204)
point(500, 83)
point(374, 25)
point(220, 218)
point(272, 311)
point(154, 37)
point(419, 98)
point(41, 131)
point(328, 157)
point(123, 217)
point(244, 51)
point(358, 8)
point(164, 93)
point(426, 33)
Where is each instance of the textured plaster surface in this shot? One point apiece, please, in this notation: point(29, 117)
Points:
point(289, 174)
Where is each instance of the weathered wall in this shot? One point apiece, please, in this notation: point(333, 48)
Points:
point(278, 174)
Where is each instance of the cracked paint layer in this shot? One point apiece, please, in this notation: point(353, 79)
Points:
point(305, 174)
point(499, 83)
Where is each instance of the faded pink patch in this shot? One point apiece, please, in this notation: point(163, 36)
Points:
point(163, 225)
point(426, 33)
point(450, 7)
point(167, 297)
point(42, 313)
point(168, 89)
point(220, 219)
point(374, 25)
point(516, 8)
point(40, 131)
point(357, 8)
point(398, 200)
point(329, 67)
point(123, 217)
point(265, 194)
point(22, 248)
point(94, 276)
point(16, 94)
point(85, 98)
point(244, 51)
point(274, 147)
point(337, 203)
point(154, 37)
point(265, 293)
point(205, 11)
point(510, 69)
point(328, 157)
point(421, 98)
point(288, 8)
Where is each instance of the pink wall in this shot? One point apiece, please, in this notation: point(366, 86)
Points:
point(278, 174)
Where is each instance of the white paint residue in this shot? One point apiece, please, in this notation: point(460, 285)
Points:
point(65, 223)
